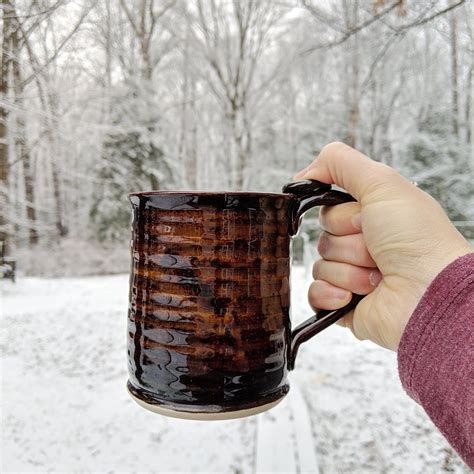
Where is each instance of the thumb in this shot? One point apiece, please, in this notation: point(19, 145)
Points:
point(340, 164)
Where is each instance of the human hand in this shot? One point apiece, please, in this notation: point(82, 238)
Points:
point(389, 245)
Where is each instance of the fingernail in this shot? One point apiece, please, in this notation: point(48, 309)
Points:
point(375, 278)
point(302, 174)
point(339, 294)
point(357, 221)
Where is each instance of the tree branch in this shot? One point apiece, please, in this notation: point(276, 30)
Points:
point(58, 49)
point(155, 17)
point(32, 15)
point(352, 31)
point(129, 15)
point(321, 17)
point(431, 17)
point(365, 24)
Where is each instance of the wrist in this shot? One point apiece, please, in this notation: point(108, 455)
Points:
point(438, 261)
point(416, 291)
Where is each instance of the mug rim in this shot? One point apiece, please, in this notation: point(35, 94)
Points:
point(206, 193)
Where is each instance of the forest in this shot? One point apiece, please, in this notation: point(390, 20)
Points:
point(100, 98)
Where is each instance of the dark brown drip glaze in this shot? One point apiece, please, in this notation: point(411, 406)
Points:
point(209, 318)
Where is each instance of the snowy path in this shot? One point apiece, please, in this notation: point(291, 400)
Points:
point(64, 407)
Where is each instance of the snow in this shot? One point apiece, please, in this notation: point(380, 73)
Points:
point(64, 406)
point(88, 257)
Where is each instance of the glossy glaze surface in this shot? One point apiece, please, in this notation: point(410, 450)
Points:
point(208, 325)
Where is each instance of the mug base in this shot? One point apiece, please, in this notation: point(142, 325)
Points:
point(174, 412)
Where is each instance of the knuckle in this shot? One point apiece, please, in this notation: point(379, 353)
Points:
point(323, 244)
point(316, 267)
point(313, 294)
point(332, 148)
point(319, 268)
point(387, 172)
point(382, 180)
point(313, 288)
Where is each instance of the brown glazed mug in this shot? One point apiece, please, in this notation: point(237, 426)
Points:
point(209, 330)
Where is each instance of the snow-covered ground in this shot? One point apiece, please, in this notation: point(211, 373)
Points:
point(64, 407)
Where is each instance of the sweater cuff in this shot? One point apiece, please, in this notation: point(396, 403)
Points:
point(425, 332)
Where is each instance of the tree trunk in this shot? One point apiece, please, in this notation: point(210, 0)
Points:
point(47, 102)
point(246, 146)
point(182, 145)
point(354, 108)
point(108, 49)
point(467, 110)
point(25, 158)
point(454, 75)
point(192, 167)
point(240, 152)
point(58, 203)
point(20, 136)
point(4, 163)
point(57, 180)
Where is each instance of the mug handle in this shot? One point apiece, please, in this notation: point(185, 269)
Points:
point(306, 195)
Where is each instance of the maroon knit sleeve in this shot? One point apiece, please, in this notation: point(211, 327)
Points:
point(436, 355)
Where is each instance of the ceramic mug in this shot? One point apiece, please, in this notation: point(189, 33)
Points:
point(209, 330)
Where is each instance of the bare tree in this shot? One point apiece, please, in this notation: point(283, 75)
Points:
point(187, 140)
point(5, 81)
point(20, 138)
point(216, 94)
point(232, 39)
point(454, 73)
point(144, 26)
point(351, 14)
point(41, 76)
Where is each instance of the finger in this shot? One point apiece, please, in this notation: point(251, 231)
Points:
point(349, 277)
point(346, 249)
point(339, 220)
point(346, 321)
point(366, 322)
point(359, 175)
point(323, 295)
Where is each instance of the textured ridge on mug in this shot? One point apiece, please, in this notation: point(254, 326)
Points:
point(208, 318)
